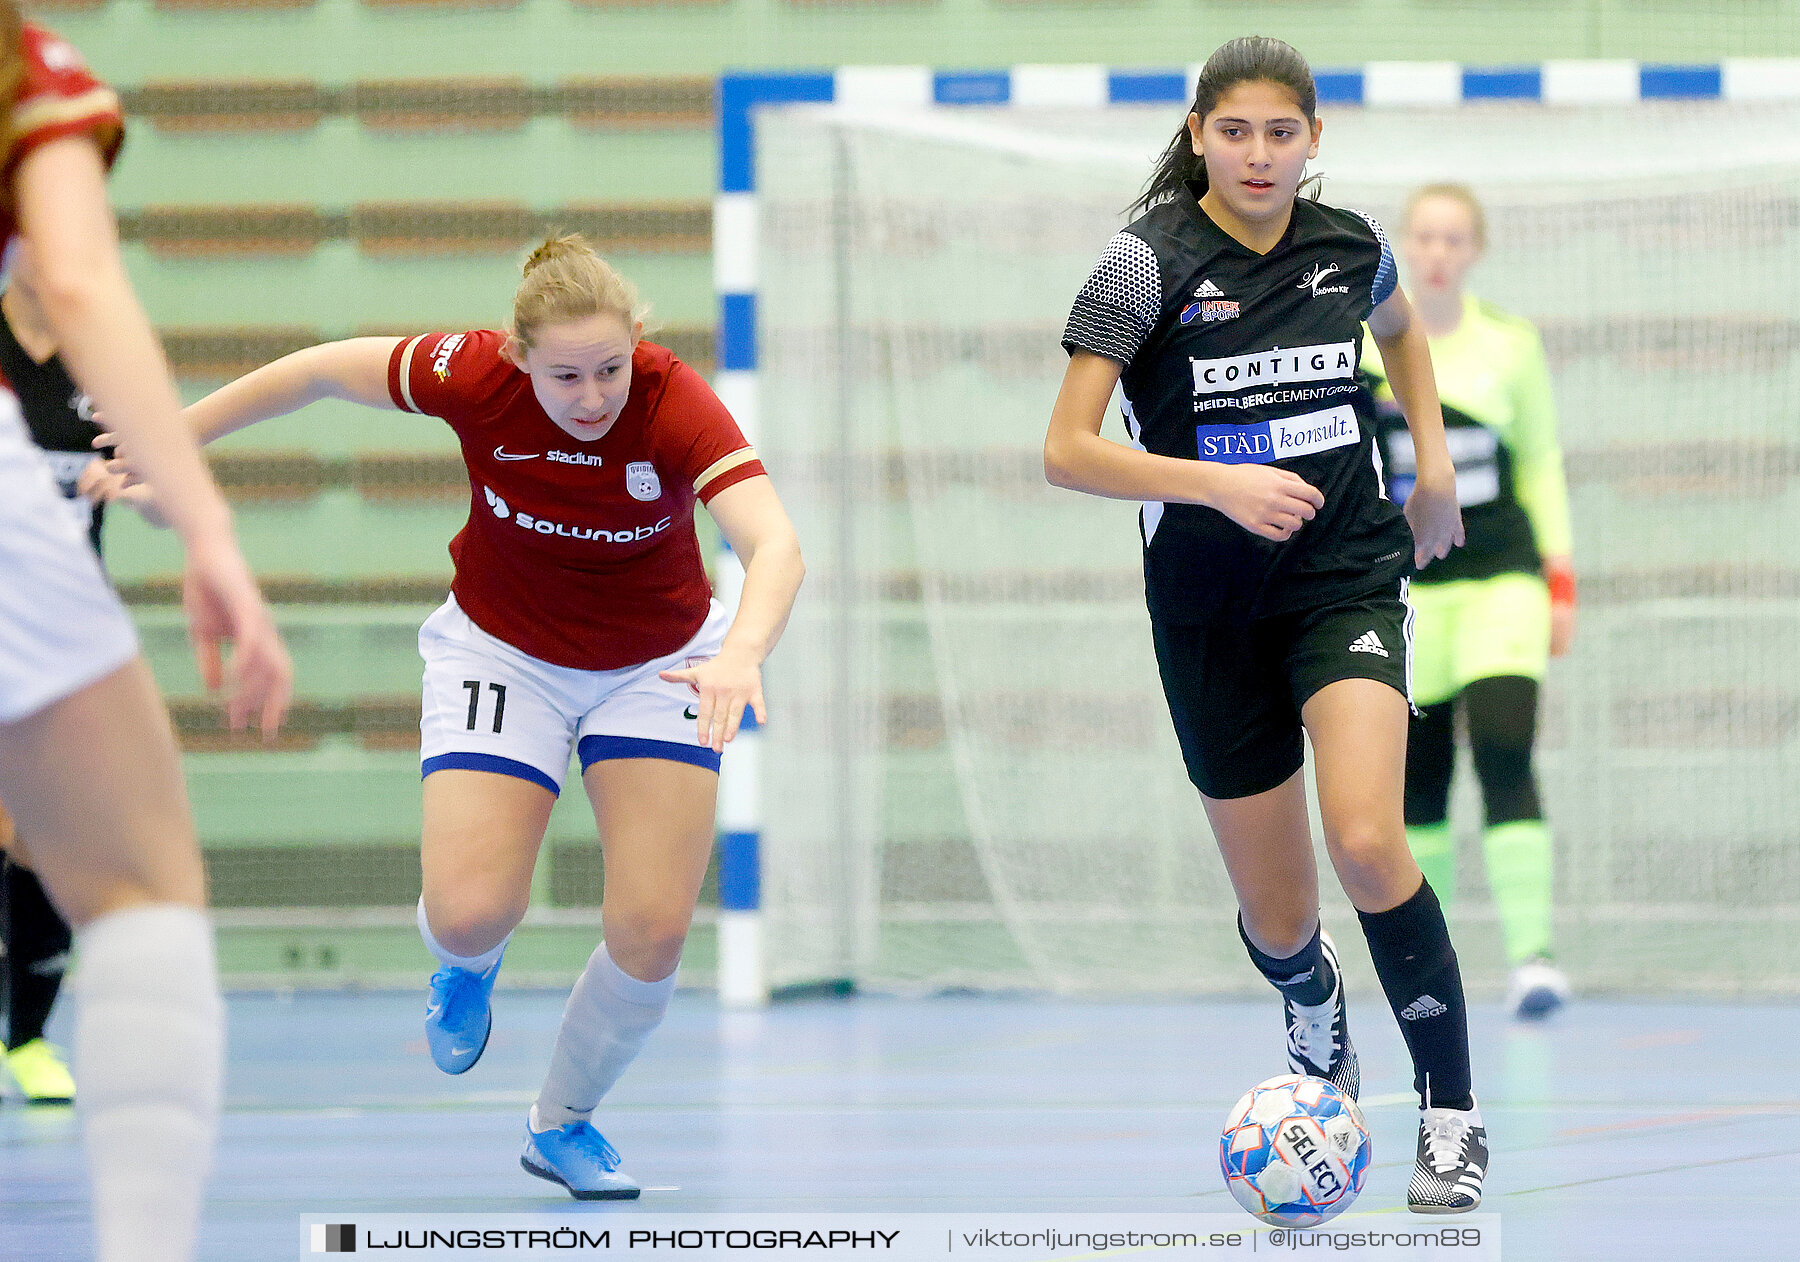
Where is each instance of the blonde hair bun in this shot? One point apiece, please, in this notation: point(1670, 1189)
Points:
point(565, 279)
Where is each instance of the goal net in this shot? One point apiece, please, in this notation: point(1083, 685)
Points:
point(971, 776)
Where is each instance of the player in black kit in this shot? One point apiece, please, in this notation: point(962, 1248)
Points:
point(1230, 312)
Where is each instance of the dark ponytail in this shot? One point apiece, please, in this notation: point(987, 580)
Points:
point(1250, 59)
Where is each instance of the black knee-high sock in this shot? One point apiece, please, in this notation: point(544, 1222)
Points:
point(37, 951)
point(1410, 946)
point(1304, 977)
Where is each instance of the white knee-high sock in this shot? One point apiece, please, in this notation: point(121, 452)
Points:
point(474, 963)
point(609, 1015)
point(150, 1053)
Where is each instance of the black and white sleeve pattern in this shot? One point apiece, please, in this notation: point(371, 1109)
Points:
point(1118, 306)
point(1386, 276)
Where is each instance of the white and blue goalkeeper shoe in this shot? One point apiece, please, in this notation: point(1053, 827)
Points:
point(458, 1016)
point(578, 1157)
point(1537, 988)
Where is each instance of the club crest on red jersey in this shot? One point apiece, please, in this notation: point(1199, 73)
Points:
point(642, 482)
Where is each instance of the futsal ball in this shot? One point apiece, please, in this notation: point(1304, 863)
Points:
point(1295, 1151)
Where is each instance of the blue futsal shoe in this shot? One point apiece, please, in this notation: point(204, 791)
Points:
point(578, 1157)
point(458, 1018)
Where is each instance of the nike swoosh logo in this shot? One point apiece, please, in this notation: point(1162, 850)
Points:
point(500, 453)
point(690, 713)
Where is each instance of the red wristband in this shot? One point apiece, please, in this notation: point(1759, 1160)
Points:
point(1562, 586)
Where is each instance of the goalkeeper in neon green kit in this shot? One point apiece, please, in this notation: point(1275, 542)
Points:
point(1492, 613)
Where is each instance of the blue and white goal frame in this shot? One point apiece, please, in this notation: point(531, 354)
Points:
point(741, 94)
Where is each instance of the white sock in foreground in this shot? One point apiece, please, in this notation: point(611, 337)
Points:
point(609, 1015)
point(149, 1053)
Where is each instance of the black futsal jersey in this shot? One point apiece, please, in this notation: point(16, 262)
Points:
point(60, 418)
point(1236, 357)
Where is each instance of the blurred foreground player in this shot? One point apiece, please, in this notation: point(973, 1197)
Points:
point(34, 938)
point(88, 765)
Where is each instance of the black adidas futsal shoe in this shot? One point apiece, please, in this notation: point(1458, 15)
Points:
point(1452, 1162)
point(1319, 1036)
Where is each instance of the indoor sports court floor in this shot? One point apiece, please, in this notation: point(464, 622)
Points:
point(1620, 1130)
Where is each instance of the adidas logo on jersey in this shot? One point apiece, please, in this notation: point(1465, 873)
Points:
point(1208, 290)
point(1422, 1007)
point(1368, 642)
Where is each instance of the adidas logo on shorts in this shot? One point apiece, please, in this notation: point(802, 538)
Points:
point(1368, 642)
point(1422, 1007)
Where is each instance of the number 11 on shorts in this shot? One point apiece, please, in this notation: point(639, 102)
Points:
point(499, 691)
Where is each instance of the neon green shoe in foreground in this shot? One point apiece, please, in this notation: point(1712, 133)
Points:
point(41, 1073)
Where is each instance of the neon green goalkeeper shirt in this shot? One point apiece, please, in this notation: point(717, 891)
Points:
point(1500, 422)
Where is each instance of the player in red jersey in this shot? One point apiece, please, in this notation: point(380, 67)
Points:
point(580, 619)
point(88, 763)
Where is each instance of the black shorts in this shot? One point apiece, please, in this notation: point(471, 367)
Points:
point(1235, 689)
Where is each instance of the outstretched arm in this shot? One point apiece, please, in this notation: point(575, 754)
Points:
point(353, 370)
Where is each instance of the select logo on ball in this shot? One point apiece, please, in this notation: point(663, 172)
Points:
point(1295, 1151)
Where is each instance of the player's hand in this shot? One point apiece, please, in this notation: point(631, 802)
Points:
point(100, 483)
point(1266, 501)
point(122, 473)
point(1432, 512)
point(726, 684)
point(224, 607)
